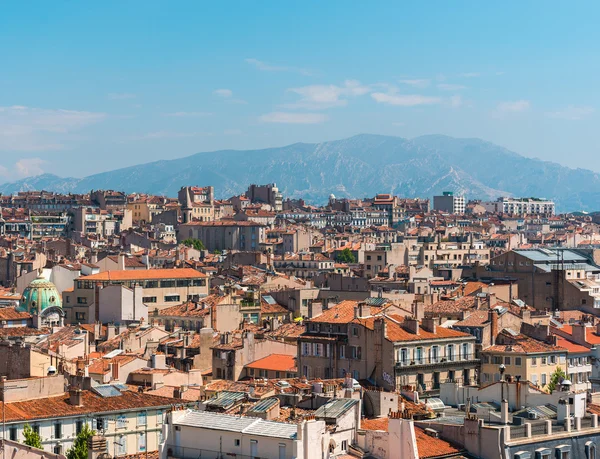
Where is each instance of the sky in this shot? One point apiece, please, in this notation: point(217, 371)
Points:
point(87, 87)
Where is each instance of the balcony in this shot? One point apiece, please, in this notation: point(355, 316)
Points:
point(410, 365)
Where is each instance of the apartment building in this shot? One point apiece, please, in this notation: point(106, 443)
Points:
point(130, 421)
point(356, 339)
point(160, 288)
point(550, 278)
point(449, 203)
point(266, 194)
point(383, 255)
point(451, 254)
point(520, 206)
point(225, 234)
point(305, 265)
point(523, 358)
point(99, 222)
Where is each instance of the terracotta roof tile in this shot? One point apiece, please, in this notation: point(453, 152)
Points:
point(145, 274)
point(275, 362)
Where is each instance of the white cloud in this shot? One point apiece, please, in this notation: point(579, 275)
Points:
point(29, 167)
point(187, 114)
point(514, 106)
point(456, 101)
point(470, 75)
point(26, 167)
point(450, 87)
point(227, 94)
point(327, 96)
point(39, 129)
point(121, 96)
point(572, 112)
point(417, 83)
point(294, 118)
point(260, 65)
point(405, 100)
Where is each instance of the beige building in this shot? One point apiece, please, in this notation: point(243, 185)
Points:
point(374, 342)
point(523, 358)
point(225, 234)
point(161, 288)
point(130, 421)
point(440, 254)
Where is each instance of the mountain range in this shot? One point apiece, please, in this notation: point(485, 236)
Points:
point(359, 166)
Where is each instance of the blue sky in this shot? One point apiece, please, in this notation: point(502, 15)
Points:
point(92, 86)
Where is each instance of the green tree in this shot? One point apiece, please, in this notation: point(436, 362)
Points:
point(556, 378)
point(346, 256)
point(32, 438)
point(195, 243)
point(79, 450)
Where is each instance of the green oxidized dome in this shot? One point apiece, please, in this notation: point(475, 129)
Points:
point(40, 294)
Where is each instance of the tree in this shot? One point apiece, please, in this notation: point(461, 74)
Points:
point(556, 378)
point(79, 450)
point(195, 243)
point(346, 256)
point(32, 438)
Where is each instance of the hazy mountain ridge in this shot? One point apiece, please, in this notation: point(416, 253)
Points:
point(359, 166)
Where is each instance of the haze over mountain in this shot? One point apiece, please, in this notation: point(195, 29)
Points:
point(359, 166)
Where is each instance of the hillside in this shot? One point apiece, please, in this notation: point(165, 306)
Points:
point(359, 166)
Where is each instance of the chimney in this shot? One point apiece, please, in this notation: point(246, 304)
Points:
point(75, 397)
point(96, 446)
point(121, 262)
point(419, 310)
point(579, 333)
point(178, 392)
point(364, 310)
point(504, 411)
point(493, 318)
point(428, 324)
point(315, 309)
point(412, 325)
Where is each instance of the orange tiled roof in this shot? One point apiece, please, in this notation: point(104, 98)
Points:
point(59, 406)
point(145, 274)
point(570, 346)
point(341, 313)
point(13, 314)
point(275, 362)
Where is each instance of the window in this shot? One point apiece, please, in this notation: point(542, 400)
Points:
point(81, 300)
point(57, 449)
point(78, 426)
point(58, 430)
point(141, 418)
point(496, 360)
point(506, 360)
point(419, 355)
point(13, 433)
point(149, 299)
point(305, 348)
point(518, 361)
point(121, 422)
point(544, 360)
point(590, 450)
point(167, 283)
point(36, 428)
point(544, 380)
point(236, 442)
point(355, 331)
point(122, 445)
point(465, 351)
point(281, 450)
point(141, 442)
point(80, 316)
point(342, 351)
point(344, 445)
point(171, 298)
point(533, 361)
point(552, 359)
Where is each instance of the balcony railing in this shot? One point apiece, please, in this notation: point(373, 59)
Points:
point(437, 360)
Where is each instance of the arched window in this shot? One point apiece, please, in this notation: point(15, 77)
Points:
point(590, 450)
